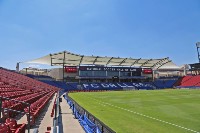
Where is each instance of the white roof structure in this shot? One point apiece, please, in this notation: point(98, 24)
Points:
point(34, 70)
point(66, 58)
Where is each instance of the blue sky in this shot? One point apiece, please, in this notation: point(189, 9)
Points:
point(126, 28)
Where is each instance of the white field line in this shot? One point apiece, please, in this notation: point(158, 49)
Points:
point(169, 123)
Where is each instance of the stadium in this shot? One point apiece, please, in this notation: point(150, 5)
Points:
point(99, 66)
point(100, 95)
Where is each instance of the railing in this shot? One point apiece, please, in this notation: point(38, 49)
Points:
point(104, 128)
point(28, 114)
point(56, 115)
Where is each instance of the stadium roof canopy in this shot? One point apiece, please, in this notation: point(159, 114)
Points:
point(66, 58)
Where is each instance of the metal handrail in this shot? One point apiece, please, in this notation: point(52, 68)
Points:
point(57, 113)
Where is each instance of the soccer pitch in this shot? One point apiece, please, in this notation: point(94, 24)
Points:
point(156, 111)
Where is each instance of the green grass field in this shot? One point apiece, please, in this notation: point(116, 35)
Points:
point(156, 111)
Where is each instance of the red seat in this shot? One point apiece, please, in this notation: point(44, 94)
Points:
point(4, 128)
point(12, 124)
point(13, 127)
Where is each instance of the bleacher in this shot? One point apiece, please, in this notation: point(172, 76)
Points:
point(100, 86)
point(117, 86)
point(40, 77)
point(51, 81)
point(158, 84)
point(62, 85)
point(189, 82)
point(17, 91)
point(165, 83)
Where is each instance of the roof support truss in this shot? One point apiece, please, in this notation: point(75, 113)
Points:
point(135, 62)
point(164, 64)
point(95, 59)
point(160, 61)
point(146, 62)
point(109, 61)
point(122, 62)
point(81, 60)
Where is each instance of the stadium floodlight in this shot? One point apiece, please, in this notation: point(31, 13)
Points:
point(198, 44)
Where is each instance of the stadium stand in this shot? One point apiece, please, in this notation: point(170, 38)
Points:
point(100, 86)
point(23, 81)
point(72, 86)
point(62, 85)
point(165, 83)
point(118, 86)
point(160, 83)
point(16, 93)
point(51, 81)
point(189, 81)
point(37, 106)
point(40, 77)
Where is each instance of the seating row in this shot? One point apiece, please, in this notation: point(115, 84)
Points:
point(21, 90)
point(37, 106)
point(19, 106)
point(8, 89)
point(25, 82)
point(15, 94)
point(165, 83)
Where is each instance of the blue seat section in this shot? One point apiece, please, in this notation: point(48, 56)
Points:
point(141, 85)
point(101, 86)
point(118, 86)
point(165, 83)
point(91, 86)
point(112, 86)
point(73, 84)
point(63, 85)
point(108, 86)
point(40, 77)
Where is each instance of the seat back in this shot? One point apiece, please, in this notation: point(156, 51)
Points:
point(4, 128)
point(11, 123)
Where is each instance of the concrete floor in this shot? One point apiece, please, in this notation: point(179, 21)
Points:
point(69, 123)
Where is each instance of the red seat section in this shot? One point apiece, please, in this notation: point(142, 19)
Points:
point(11, 126)
point(190, 81)
point(37, 106)
point(4, 128)
point(23, 81)
point(19, 87)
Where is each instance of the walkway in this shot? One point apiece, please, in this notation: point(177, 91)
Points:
point(47, 120)
point(69, 123)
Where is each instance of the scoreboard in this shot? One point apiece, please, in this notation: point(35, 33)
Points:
point(134, 71)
